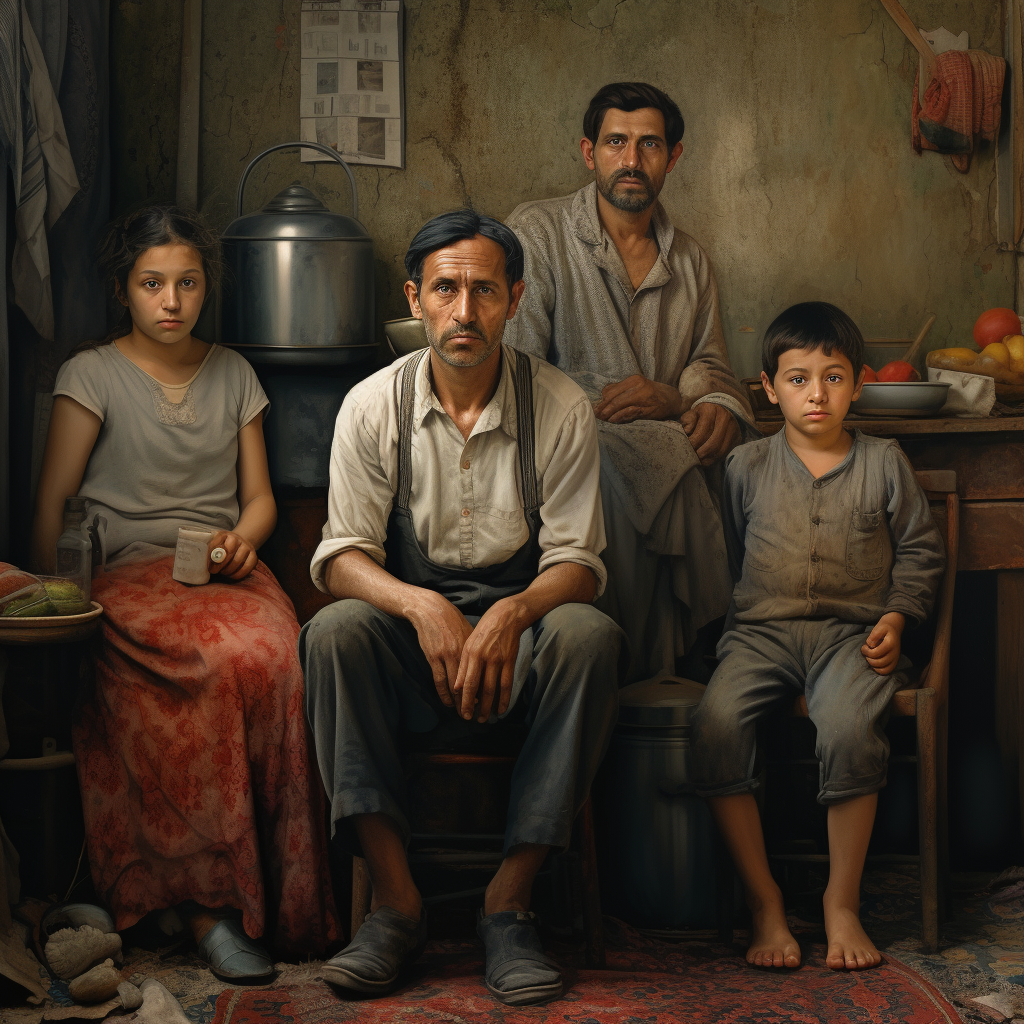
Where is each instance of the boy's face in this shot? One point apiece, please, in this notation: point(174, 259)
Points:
point(813, 390)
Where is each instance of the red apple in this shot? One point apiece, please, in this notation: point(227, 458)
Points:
point(870, 377)
point(897, 371)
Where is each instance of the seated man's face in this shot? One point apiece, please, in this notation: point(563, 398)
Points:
point(631, 157)
point(464, 300)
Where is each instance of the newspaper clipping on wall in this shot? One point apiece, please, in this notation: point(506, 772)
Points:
point(352, 97)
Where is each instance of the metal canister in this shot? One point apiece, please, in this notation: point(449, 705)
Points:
point(299, 283)
point(657, 855)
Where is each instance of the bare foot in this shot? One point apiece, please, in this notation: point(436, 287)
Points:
point(849, 947)
point(771, 942)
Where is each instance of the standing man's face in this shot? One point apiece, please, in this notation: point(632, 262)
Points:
point(631, 158)
point(464, 300)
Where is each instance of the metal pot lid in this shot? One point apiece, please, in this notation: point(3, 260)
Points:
point(295, 212)
point(662, 702)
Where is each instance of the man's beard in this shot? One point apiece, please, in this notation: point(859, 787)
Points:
point(630, 202)
point(452, 358)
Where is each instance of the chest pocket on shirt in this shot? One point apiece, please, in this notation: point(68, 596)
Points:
point(761, 550)
point(867, 545)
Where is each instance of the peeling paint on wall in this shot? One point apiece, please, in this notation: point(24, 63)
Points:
point(797, 174)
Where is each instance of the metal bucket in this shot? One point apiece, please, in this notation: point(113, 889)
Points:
point(657, 841)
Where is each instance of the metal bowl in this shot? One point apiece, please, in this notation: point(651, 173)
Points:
point(405, 335)
point(905, 398)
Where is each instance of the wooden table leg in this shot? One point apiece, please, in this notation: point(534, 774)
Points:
point(1010, 673)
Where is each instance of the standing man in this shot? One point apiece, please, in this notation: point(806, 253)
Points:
point(627, 305)
point(462, 543)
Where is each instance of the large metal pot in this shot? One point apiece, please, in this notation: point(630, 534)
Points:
point(657, 840)
point(299, 282)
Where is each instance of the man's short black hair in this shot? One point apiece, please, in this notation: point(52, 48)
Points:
point(448, 228)
point(630, 96)
point(809, 325)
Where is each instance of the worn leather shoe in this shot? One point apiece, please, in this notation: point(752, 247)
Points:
point(232, 955)
point(387, 942)
point(518, 971)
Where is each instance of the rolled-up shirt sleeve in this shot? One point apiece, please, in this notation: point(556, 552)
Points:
point(572, 520)
point(360, 497)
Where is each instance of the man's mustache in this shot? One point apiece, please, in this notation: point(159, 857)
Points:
point(636, 175)
point(462, 331)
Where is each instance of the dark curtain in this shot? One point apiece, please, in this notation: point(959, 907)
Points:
point(74, 37)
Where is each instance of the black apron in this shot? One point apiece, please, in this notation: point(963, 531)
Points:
point(472, 591)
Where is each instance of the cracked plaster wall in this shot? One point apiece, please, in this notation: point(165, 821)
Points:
point(797, 174)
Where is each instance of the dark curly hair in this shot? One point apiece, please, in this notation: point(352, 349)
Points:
point(811, 325)
point(127, 238)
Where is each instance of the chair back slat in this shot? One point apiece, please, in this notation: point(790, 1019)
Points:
point(937, 481)
point(942, 482)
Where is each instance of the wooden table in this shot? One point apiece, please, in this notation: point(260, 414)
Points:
point(988, 457)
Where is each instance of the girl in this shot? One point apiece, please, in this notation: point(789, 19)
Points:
point(192, 753)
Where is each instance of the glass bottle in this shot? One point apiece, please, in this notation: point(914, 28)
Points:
point(74, 556)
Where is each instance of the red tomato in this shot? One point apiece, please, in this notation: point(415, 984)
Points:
point(994, 325)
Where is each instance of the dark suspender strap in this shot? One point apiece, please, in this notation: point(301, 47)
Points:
point(405, 430)
point(525, 429)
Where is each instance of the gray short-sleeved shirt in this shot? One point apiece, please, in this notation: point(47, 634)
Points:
point(157, 465)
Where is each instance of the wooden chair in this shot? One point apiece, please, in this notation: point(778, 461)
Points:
point(927, 703)
point(582, 844)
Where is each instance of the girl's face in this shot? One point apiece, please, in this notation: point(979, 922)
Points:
point(166, 288)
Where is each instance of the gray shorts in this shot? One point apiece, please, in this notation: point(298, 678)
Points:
point(768, 664)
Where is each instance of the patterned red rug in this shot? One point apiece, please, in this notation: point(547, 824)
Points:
point(691, 983)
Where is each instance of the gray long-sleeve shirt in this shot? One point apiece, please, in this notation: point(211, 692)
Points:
point(853, 544)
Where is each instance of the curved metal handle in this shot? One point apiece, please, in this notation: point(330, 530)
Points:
point(299, 145)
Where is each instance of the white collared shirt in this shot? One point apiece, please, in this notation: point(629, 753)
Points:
point(466, 500)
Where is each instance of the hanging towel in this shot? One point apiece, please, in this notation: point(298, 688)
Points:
point(47, 184)
point(962, 101)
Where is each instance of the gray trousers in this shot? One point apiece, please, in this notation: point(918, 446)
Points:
point(763, 665)
point(367, 682)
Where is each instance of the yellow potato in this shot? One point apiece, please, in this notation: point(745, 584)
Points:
point(1015, 344)
point(999, 352)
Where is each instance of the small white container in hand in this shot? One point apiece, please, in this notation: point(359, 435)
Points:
point(190, 564)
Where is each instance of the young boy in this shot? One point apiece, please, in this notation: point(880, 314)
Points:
point(834, 551)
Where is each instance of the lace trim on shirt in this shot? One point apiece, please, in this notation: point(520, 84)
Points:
point(182, 414)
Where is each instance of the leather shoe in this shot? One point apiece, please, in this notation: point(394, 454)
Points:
point(518, 971)
point(232, 955)
point(387, 942)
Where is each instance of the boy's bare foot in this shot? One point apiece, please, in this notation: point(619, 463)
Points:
point(771, 942)
point(849, 947)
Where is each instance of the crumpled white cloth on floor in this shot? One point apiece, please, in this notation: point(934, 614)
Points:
point(971, 394)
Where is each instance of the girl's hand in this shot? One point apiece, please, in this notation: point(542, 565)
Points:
point(241, 556)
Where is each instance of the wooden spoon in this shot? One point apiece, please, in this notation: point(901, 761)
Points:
point(908, 356)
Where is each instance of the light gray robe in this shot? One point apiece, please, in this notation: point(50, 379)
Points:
point(667, 568)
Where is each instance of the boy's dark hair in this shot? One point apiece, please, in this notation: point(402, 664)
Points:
point(630, 96)
point(809, 325)
point(127, 238)
point(448, 228)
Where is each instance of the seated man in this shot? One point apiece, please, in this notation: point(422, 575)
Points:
point(464, 484)
point(627, 305)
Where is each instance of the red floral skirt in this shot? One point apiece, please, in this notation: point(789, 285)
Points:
point(192, 756)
